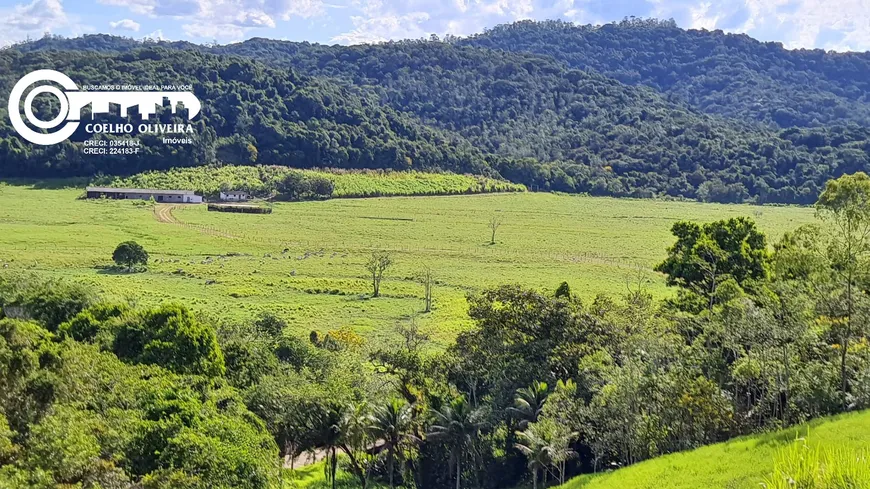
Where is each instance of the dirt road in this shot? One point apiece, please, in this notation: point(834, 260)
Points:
point(163, 213)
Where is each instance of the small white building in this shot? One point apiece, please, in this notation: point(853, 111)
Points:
point(174, 196)
point(235, 196)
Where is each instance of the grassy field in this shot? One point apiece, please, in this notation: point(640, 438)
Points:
point(235, 265)
point(742, 463)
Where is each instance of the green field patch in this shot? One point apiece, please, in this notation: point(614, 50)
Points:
point(305, 262)
point(742, 463)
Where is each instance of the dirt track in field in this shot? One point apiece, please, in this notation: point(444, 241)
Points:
point(163, 213)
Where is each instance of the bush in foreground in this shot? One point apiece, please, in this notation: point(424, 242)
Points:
point(802, 466)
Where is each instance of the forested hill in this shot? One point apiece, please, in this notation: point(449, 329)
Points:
point(250, 114)
point(543, 118)
point(592, 133)
point(728, 74)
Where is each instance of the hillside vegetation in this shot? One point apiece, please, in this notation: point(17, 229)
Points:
point(251, 114)
point(728, 74)
point(262, 181)
point(742, 463)
point(573, 130)
point(639, 108)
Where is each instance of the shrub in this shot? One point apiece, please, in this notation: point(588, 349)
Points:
point(321, 187)
point(86, 325)
point(269, 324)
point(297, 352)
point(49, 302)
point(248, 360)
point(294, 186)
point(171, 337)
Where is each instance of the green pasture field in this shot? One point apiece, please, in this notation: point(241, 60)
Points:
point(742, 463)
point(235, 265)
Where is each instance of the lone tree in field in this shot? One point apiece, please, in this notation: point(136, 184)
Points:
point(428, 279)
point(377, 265)
point(494, 223)
point(129, 254)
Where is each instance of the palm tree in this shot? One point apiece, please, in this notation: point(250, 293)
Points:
point(325, 426)
point(529, 403)
point(391, 423)
point(455, 425)
point(355, 439)
point(537, 451)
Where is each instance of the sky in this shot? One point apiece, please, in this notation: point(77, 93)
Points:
point(840, 25)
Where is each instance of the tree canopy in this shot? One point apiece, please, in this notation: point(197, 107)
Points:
point(129, 254)
point(637, 108)
point(706, 257)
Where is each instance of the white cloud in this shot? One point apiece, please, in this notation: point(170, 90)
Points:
point(33, 20)
point(384, 28)
point(838, 24)
point(381, 19)
point(125, 24)
point(841, 25)
point(702, 17)
point(156, 35)
point(287, 9)
point(203, 30)
point(223, 19)
point(37, 15)
point(846, 23)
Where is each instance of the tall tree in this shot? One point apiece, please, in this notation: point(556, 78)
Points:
point(457, 426)
point(427, 277)
point(129, 254)
point(392, 424)
point(327, 421)
point(377, 265)
point(844, 206)
point(494, 223)
point(355, 439)
point(705, 257)
point(536, 449)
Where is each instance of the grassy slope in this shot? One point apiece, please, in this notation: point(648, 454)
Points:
point(737, 464)
point(593, 243)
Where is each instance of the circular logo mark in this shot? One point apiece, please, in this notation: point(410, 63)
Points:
point(15, 113)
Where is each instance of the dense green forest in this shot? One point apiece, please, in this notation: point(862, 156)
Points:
point(251, 114)
point(543, 385)
point(728, 74)
point(637, 108)
point(592, 133)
